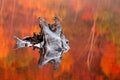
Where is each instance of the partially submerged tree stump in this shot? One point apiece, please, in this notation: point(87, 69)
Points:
point(51, 42)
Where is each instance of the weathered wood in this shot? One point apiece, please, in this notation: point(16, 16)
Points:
point(51, 42)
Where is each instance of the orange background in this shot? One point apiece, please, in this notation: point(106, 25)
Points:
point(79, 18)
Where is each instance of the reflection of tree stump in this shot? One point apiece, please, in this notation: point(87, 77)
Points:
point(51, 42)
